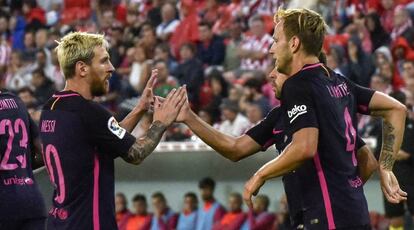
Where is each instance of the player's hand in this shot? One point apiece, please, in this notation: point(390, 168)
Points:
point(390, 187)
point(251, 188)
point(147, 98)
point(185, 110)
point(167, 111)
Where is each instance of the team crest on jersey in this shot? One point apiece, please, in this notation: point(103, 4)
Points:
point(115, 128)
point(296, 111)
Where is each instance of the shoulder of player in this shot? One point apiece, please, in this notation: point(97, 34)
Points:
point(8, 94)
point(93, 107)
point(275, 112)
point(296, 82)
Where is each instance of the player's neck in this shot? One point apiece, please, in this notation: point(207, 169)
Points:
point(79, 87)
point(301, 60)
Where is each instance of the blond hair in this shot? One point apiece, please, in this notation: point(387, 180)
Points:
point(306, 24)
point(77, 46)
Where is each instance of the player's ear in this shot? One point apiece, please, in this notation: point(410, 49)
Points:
point(294, 44)
point(81, 68)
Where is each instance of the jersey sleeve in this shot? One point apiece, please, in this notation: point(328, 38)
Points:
point(262, 132)
point(363, 97)
point(300, 108)
point(106, 132)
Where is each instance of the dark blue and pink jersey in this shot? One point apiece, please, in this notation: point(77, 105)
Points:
point(329, 185)
point(20, 197)
point(80, 141)
point(271, 130)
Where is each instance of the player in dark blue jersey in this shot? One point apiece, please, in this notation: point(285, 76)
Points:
point(81, 139)
point(270, 131)
point(21, 204)
point(320, 109)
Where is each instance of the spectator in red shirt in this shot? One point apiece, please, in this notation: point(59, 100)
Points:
point(142, 219)
point(35, 16)
point(387, 15)
point(122, 212)
point(254, 48)
point(233, 219)
point(187, 30)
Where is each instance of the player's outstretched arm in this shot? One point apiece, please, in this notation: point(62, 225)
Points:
point(232, 148)
point(367, 163)
point(303, 147)
point(144, 104)
point(394, 114)
point(164, 114)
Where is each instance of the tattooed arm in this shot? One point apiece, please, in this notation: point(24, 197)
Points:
point(393, 114)
point(164, 114)
point(145, 145)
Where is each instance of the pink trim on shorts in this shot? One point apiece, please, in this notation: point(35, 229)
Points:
point(325, 192)
point(96, 222)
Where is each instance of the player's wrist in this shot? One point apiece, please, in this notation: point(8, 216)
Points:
point(189, 117)
point(161, 123)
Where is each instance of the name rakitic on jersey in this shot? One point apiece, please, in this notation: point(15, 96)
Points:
point(338, 91)
point(8, 104)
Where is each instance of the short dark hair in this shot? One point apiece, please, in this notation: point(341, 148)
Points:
point(40, 72)
point(237, 196)
point(139, 197)
point(265, 200)
point(254, 83)
point(159, 61)
point(159, 195)
point(189, 46)
point(165, 47)
point(120, 194)
point(207, 182)
point(191, 195)
point(26, 90)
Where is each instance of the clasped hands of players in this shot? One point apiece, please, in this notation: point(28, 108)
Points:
point(166, 109)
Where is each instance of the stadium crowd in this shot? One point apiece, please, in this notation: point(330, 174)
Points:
point(218, 48)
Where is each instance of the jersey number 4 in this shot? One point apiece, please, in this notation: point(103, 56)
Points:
point(350, 134)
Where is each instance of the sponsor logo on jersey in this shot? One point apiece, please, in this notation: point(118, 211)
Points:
point(296, 111)
point(115, 128)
